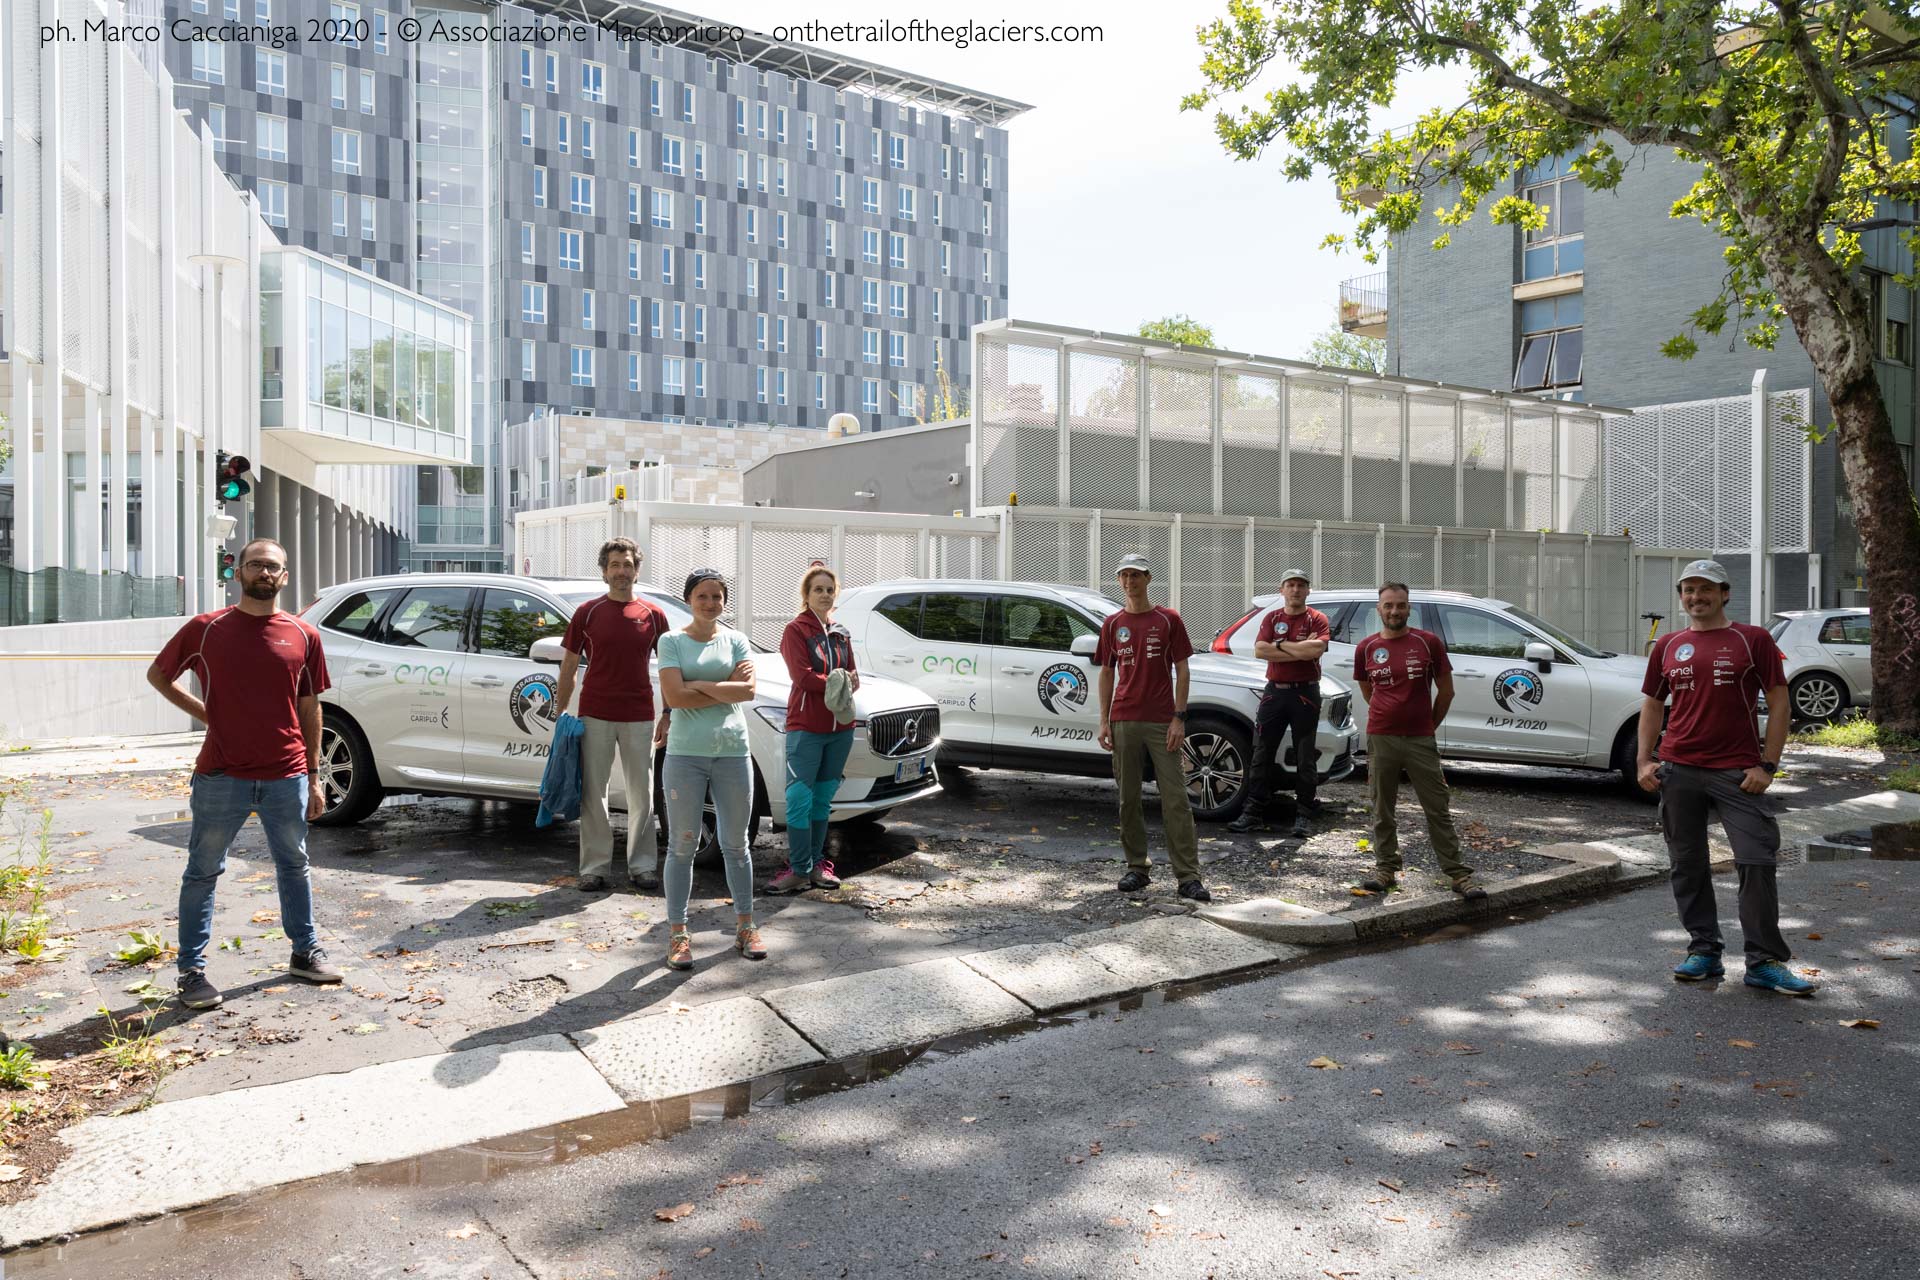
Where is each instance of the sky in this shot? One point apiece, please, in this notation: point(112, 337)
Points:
point(1123, 208)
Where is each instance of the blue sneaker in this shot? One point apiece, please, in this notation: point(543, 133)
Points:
point(1699, 966)
point(1774, 976)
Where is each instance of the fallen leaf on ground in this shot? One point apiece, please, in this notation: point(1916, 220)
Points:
point(1210, 1138)
point(1814, 937)
point(1325, 1064)
point(1743, 1044)
point(1388, 1183)
point(11, 1173)
point(265, 917)
point(467, 1232)
point(675, 1213)
point(1118, 1222)
point(1862, 1024)
point(748, 1224)
point(736, 1180)
point(1159, 1210)
point(705, 1251)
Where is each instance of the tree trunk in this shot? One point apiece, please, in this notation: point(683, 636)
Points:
point(1831, 316)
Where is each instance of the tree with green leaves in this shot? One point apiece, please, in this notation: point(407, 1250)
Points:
point(1183, 329)
point(1795, 113)
point(1339, 349)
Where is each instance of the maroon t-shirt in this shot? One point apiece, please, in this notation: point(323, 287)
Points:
point(1142, 649)
point(617, 641)
point(253, 672)
point(1400, 675)
point(1715, 679)
point(1281, 626)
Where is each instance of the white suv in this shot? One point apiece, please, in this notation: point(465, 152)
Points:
point(1524, 691)
point(443, 684)
point(1829, 655)
point(1009, 664)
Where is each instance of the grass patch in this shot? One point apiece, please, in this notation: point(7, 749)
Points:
point(1905, 779)
point(1857, 731)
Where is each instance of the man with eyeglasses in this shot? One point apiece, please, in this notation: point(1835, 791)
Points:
point(261, 673)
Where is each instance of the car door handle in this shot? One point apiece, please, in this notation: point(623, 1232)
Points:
point(1016, 671)
point(898, 657)
point(486, 682)
point(368, 669)
point(1462, 671)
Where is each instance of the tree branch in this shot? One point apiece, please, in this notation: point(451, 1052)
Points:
point(1833, 156)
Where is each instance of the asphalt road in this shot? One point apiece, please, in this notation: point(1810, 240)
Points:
point(1538, 1099)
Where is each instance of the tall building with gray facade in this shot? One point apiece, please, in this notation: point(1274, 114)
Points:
point(730, 231)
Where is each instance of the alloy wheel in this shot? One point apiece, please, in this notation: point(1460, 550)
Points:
point(1816, 698)
point(1215, 770)
point(336, 766)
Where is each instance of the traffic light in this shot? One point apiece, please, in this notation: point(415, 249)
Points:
point(226, 563)
point(229, 476)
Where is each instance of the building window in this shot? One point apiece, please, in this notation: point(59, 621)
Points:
point(760, 173)
point(906, 397)
point(583, 366)
point(1892, 318)
point(553, 72)
point(905, 206)
point(870, 394)
point(870, 346)
point(633, 371)
point(897, 301)
point(679, 321)
point(633, 259)
point(273, 202)
point(986, 170)
point(379, 29)
point(526, 68)
point(960, 164)
point(939, 207)
point(760, 384)
point(633, 202)
point(986, 219)
point(672, 151)
point(1559, 247)
point(760, 333)
point(897, 350)
point(337, 86)
point(217, 125)
point(270, 137)
point(539, 186)
point(346, 151)
point(760, 120)
point(839, 137)
point(829, 238)
point(986, 265)
point(662, 212)
point(348, 18)
point(870, 245)
point(740, 170)
point(339, 210)
point(563, 132)
point(810, 126)
point(946, 259)
point(870, 297)
point(753, 226)
point(526, 126)
point(896, 249)
point(666, 265)
point(896, 151)
point(633, 148)
point(840, 190)
point(593, 82)
point(526, 359)
point(571, 255)
point(1551, 343)
point(700, 215)
point(700, 160)
point(580, 193)
point(686, 104)
point(367, 227)
point(587, 317)
point(946, 162)
point(586, 137)
point(656, 97)
point(870, 194)
point(936, 306)
point(366, 93)
point(209, 62)
point(533, 302)
point(673, 375)
point(876, 146)
point(700, 378)
point(779, 386)
point(699, 323)
point(699, 268)
point(819, 390)
point(780, 283)
point(633, 317)
point(780, 177)
point(828, 290)
point(779, 124)
point(270, 72)
point(656, 318)
point(740, 116)
point(780, 334)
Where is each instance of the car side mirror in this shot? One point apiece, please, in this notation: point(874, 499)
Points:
point(1541, 654)
point(548, 649)
point(1084, 646)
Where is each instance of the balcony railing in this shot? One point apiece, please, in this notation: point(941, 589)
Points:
point(1363, 305)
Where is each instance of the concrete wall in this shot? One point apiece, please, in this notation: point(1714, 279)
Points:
point(905, 470)
point(80, 679)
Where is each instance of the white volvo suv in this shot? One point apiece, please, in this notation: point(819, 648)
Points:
point(443, 684)
point(1010, 665)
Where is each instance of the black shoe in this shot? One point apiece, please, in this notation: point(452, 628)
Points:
point(1132, 882)
point(1379, 882)
point(647, 879)
point(1313, 808)
point(313, 966)
point(1249, 821)
point(1195, 891)
point(196, 992)
point(1470, 890)
point(593, 884)
point(1302, 827)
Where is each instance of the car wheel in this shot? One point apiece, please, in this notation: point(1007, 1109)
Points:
point(1817, 696)
point(348, 784)
point(1216, 754)
point(1626, 762)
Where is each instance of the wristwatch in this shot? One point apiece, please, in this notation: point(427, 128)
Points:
point(1180, 716)
point(1771, 766)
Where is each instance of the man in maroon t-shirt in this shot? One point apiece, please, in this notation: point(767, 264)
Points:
point(616, 636)
point(1711, 758)
point(261, 674)
point(1291, 639)
point(1142, 656)
point(1407, 683)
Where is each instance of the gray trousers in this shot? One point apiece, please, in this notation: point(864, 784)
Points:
point(634, 741)
point(1687, 797)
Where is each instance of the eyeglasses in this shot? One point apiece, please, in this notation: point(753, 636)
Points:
point(265, 567)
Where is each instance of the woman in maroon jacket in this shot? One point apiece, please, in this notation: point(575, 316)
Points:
point(817, 745)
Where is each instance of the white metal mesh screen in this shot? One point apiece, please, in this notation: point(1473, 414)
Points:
point(1463, 563)
point(1562, 597)
point(1250, 445)
point(1579, 476)
point(1430, 462)
point(1483, 466)
point(1409, 559)
point(1019, 429)
point(1516, 569)
point(541, 547)
point(877, 555)
point(1611, 589)
point(1278, 552)
point(581, 550)
point(1314, 464)
point(1680, 475)
point(1103, 431)
point(1347, 558)
point(1377, 456)
point(678, 549)
point(1789, 413)
point(1213, 588)
point(1180, 441)
point(781, 553)
point(1532, 470)
point(961, 556)
point(1150, 538)
point(1048, 549)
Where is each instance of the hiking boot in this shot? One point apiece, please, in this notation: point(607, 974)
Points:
point(679, 950)
point(1771, 975)
point(1132, 882)
point(1470, 889)
point(196, 992)
point(1194, 891)
point(1302, 826)
point(746, 940)
point(647, 878)
point(1699, 966)
point(313, 966)
point(1379, 882)
point(592, 884)
point(822, 877)
point(788, 881)
point(1249, 821)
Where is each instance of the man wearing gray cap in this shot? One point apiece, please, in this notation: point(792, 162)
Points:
point(1291, 639)
point(1711, 758)
point(1142, 656)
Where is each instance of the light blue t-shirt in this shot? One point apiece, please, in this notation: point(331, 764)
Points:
point(706, 731)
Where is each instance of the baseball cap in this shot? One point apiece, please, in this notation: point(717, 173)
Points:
point(1711, 570)
point(1291, 574)
point(1132, 560)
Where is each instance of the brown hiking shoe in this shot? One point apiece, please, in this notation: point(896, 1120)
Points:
point(746, 940)
point(679, 950)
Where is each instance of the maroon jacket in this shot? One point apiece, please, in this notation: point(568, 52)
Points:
point(812, 650)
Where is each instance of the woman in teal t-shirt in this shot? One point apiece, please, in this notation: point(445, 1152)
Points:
point(706, 677)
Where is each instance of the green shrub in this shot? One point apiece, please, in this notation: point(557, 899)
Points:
point(1906, 778)
point(1856, 731)
point(18, 1070)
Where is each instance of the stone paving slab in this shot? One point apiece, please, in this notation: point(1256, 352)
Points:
point(1172, 950)
point(888, 1008)
point(664, 1055)
point(1278, 921)
point(1050, 975)
point(184, 1153)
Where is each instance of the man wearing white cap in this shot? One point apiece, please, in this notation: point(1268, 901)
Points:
point(1711, 758)
point(1142, 657)
point(1291, 639)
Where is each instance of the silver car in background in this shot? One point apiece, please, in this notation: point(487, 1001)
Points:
point(1829, 656)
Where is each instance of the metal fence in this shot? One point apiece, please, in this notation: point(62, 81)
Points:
point(71, 595)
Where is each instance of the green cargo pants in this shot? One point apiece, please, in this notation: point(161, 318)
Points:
point(1133, 742)
point(1387, 755)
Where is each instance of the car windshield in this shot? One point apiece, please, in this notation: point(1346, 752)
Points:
point(1584, 650)
point(677, 614)
point(1097, 606)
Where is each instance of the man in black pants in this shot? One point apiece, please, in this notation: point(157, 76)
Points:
point(1291, 639)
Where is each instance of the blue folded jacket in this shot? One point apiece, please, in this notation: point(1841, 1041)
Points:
point(560, 784)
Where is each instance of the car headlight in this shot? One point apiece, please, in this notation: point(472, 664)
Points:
point(774, 713)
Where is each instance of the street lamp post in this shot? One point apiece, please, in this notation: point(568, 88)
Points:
point(212, 431)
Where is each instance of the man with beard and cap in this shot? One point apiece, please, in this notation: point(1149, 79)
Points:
point(261, 674)
point(1291, 639)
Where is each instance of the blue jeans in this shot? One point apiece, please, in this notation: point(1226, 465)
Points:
point(220, 807)
point(686, 781)
point(815, 762)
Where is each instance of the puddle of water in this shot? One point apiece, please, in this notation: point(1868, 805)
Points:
point(1883, 842)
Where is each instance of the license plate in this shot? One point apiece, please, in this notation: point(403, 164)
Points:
point(908, 770)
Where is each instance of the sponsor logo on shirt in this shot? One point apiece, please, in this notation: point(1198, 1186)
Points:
point(1380, 655)
point(1682, 653)
point(1124, 634)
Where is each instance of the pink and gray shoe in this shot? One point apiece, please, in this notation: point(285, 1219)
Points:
point(788, 881)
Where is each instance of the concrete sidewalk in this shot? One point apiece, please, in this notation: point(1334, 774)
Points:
point(188, 1151)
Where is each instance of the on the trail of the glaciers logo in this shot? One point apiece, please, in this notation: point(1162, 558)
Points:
point(1517, 685)
point(1064, 684)
point(531, 702)
point(1684, 652)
